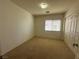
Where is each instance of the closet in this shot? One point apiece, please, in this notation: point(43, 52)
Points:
point(72, 32)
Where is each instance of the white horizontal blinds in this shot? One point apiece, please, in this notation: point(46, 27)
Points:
point(48, 25)
point(52, 25)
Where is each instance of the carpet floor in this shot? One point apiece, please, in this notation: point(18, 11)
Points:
point(41, 48)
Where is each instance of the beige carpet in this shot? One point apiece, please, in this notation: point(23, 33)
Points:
point(41, 48)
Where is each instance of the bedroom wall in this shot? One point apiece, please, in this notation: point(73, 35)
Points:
point(17, 26)
point(40, 26)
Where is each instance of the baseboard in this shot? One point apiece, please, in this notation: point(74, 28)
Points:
point(4, 56)
point(48, 38)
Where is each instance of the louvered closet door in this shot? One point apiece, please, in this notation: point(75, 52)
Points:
point(72, 33)
point(77, 37)
point(73, 30)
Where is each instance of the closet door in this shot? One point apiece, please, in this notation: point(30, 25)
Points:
point(77, 37)
point(74, 33)
point(72, 30)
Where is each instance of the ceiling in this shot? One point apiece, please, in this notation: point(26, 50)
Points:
point(54, 6)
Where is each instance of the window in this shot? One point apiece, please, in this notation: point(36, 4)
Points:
point(52, 25)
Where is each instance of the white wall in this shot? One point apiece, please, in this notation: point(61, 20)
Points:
point(17, 26)
point(40, 26)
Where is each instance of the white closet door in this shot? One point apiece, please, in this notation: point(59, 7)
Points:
point(77, 38)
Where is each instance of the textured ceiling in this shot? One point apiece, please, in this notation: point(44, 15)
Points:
point(55, 6)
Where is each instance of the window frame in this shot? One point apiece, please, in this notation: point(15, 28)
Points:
point(53, 30)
